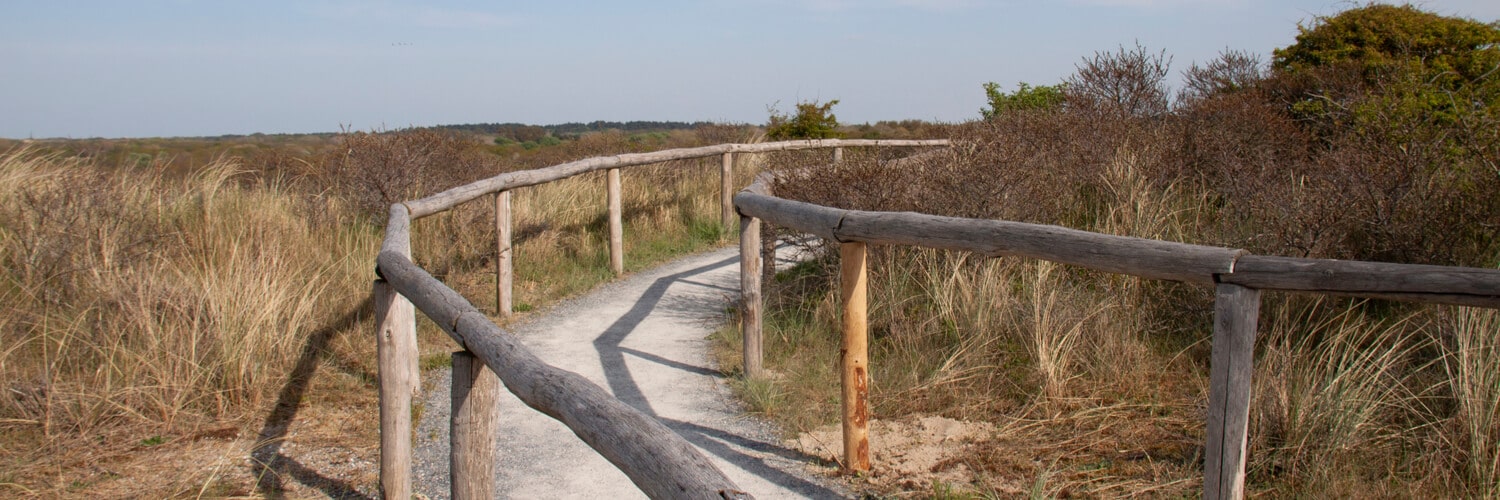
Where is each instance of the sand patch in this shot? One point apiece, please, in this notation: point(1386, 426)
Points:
point(911, 454)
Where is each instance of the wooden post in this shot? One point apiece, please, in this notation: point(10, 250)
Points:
point(767, 251)
point(473, 432)
point(750, 295)
point(504, 266)
point(396, 353)
point(616, 227)
point(726, 191)
point(1236, 311)
point(854, 356)
point(838, 155)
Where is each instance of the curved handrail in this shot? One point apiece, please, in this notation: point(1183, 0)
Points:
point(1237, 276)
point(660, 462)
point(1147, 258)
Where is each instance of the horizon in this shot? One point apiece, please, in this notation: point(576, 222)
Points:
point(174, 68)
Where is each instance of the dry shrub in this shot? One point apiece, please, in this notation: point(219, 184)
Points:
point(375, 170)
point(1348, 396)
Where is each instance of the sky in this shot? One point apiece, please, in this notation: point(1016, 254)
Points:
point(157, 68)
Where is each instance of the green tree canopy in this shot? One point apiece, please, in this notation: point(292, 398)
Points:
point(1382, 37)
point(1025, 97)
point(812, 121)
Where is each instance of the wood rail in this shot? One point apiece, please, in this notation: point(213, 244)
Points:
point(453, 197)
point(658, 461)
point(1237, 276)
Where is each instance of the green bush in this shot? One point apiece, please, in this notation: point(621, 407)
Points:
point(812, 121)
point(1025, 97)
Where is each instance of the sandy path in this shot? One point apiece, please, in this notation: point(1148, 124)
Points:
point(644, 340)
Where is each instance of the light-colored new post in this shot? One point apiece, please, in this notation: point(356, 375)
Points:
point(396, 362)
point(616, 227)
point(1236, 311)
point(473, 429)
point(854, 356)
point(750, 295)
point(504, 266)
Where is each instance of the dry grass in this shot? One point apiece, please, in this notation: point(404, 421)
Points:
point(188, 321)
point(144, 309)
point(1098, 382)
point(1470, 357)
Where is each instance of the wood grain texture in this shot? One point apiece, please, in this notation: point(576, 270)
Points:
point(750, 300)
point(616, 225)
point(396, 365)
point(660, 462)
point(397, 231)
point(854, 355)
point(473, 431)
point(806, 217)
point(504, 265)
point(1120, 254)
point(1236, 314)
point(510, 180)
point(1439, 284)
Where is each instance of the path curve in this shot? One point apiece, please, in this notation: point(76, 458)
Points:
point(644, 339)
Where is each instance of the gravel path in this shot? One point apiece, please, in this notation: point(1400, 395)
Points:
point(645, 340)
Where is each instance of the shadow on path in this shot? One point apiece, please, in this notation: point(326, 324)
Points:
point(715, 441)
point(268, 464)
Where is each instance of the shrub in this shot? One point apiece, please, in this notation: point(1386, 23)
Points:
point(378, 169)
point(1129, 82)
point(812, 121)
point(1025, 97)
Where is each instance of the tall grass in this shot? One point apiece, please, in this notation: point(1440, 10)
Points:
point(145, 302)
point(137, 297)
point(1470, 359)
point(1100, 375)
point(1333, 390)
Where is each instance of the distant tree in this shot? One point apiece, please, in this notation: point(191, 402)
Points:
point(812, 121)
point(1025, 97)
point(1379, 37)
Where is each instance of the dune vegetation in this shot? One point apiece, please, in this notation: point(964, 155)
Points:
point(1372, 137)
point(184, 305)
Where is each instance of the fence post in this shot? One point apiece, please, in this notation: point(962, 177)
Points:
point(472, 432)
point(1236, 311)
point(838, 155)
point(854, 356)
point(726, 190)
point(396, 353)
point(750, 295)
point(504, 266)
point(616, 227)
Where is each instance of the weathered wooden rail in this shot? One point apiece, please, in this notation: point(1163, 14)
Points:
point(659, 462)
point(1237, 277)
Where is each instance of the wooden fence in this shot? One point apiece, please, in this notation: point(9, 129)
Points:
point(659, 462)
point(1237, 277)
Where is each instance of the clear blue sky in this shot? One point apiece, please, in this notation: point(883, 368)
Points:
point(189, 68)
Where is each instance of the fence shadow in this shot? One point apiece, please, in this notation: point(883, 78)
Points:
point(268, 464)
point(712, 440)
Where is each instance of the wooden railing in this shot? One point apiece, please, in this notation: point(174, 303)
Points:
point(1237, 277)
point(659, 462)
